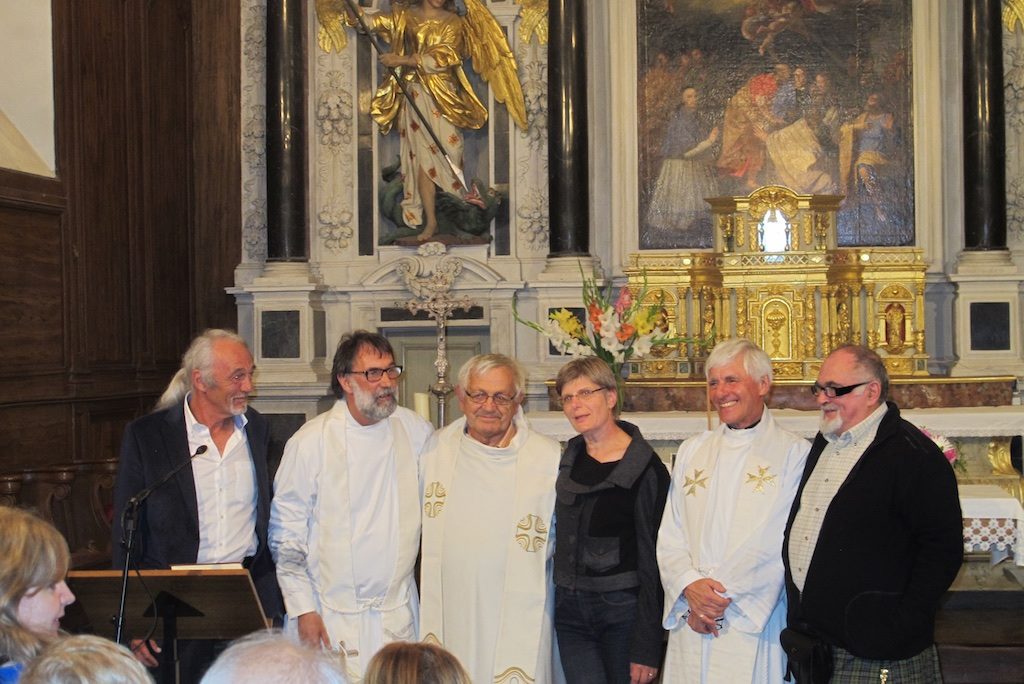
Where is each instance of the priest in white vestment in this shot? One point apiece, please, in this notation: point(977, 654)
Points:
point(488, 536)
point(345, 522)
point(720, 541)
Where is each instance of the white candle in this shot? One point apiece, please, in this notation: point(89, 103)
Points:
point(421, 400)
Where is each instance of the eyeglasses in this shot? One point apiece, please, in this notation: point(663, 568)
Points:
point(481, 398)
point(375, 374)
point(582, 395)
point(833, 392)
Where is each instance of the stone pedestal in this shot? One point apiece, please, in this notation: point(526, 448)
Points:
point(568, 270)
point(988, 315)
point(281, 314)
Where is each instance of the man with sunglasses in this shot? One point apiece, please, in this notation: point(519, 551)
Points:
point(874, 538)
point(345, 521)
point(488, 502)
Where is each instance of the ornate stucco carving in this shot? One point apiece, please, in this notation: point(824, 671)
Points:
point(253, 92)
point(1013, 90)
point(531, 210)
point(334, 142)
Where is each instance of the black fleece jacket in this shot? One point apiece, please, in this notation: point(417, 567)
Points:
point(890, 545)
point(608, 533)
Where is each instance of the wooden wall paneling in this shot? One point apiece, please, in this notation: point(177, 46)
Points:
point(167, 180)
point(216, 75)
point(106, 271)
point(101, 190)
point(34, 435)
point(99, 425)
point(35, 290)
point(32, 326)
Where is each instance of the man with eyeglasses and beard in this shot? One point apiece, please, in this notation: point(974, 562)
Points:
point(874, 538)
point(345, 520)
point(488, 501)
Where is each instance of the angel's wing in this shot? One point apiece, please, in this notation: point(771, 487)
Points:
point(1013, 14)
point(534, 20)
point(493, 59)
point(331, 16)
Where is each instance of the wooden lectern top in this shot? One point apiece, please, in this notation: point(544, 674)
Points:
point(209, 603)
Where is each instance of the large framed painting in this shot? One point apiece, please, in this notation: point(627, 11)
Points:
point(815, 95)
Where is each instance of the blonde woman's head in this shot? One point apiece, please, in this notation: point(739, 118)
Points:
point(32, 589)
point(85, 659)
point(403, 662)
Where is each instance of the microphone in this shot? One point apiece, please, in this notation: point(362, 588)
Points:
point(137, 500)
point(129, 520)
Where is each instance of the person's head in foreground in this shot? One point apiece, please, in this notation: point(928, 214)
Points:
point(274, 657)
point(414, 662)
point(85, 659)
point(33, 562)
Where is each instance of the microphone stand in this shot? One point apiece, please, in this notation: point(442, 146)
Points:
point(129, 522)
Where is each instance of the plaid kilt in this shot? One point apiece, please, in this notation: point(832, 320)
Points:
point(920, 669)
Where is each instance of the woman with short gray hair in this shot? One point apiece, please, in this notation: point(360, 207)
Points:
point(611, 491)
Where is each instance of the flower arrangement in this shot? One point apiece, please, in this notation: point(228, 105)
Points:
point(615, 330)
point(948, 449)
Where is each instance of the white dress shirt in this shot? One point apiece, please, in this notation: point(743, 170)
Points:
point(225, 493)
point(833, 466)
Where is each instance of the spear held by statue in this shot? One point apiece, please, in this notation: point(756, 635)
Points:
point(375, 42)
point(436, 51)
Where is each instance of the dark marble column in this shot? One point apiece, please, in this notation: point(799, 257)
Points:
point(984, 130)
point(569, 209)
point(286, 131)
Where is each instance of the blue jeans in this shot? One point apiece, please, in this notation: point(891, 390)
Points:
point(594, 632)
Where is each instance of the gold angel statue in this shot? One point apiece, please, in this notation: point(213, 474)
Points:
point(429, 41)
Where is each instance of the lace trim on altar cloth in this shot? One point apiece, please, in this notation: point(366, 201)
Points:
point(998, 536)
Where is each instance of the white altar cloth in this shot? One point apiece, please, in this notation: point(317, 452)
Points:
point(983, 421)
point(993, 522)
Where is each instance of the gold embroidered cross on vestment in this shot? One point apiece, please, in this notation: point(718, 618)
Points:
point(434, 496)
point(533, 533)
point(762, 479)
point(699, 479)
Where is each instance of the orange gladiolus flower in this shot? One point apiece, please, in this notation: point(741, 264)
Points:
point(595, 317)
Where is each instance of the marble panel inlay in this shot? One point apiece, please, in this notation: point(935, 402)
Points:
point(990, 326)
point(279, 334)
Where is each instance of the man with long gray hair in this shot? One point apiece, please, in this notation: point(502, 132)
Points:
point(217, 510)
point(345, 524)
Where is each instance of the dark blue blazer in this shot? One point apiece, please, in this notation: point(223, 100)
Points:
point(168, 528)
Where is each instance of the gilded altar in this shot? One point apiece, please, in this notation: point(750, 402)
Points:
point(777, 277)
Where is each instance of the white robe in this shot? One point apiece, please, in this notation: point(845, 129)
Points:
point(314, 530)
point(487, 547)
point(727, 508)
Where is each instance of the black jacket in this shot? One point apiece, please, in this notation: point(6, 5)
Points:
point(587, 560)
point(891, 543)
point(168, 528)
